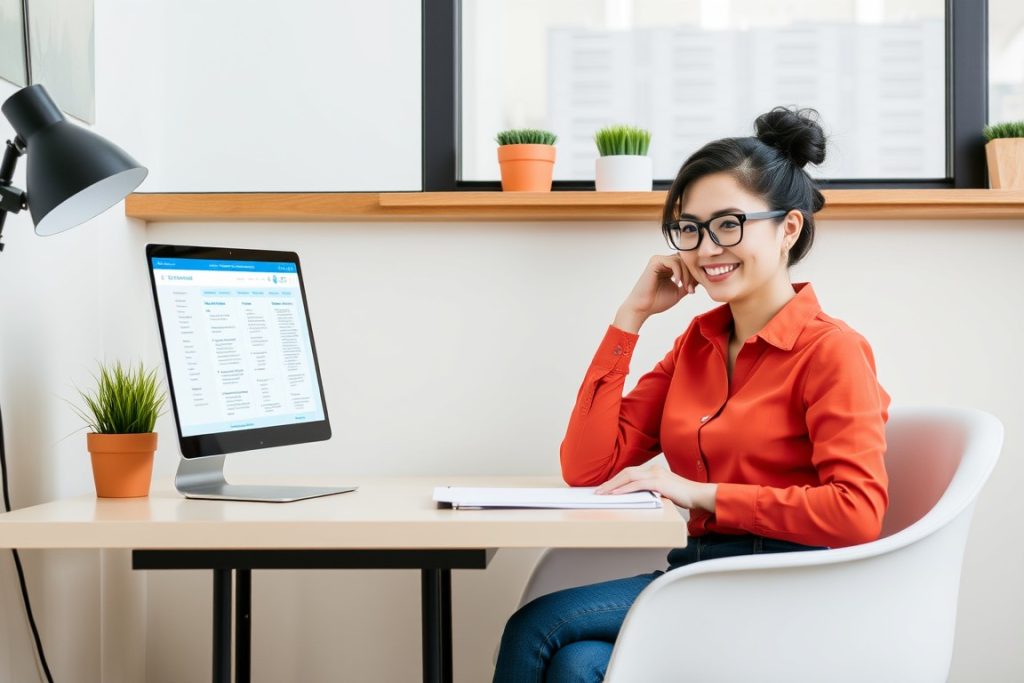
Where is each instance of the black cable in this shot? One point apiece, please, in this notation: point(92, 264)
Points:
point(17, 560)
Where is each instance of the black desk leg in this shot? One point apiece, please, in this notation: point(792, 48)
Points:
point(446, 622)
point(436, 590)
point(243, 624)
point(222, 626)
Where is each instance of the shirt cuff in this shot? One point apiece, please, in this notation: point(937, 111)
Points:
point(736, 506)
point(616, 350)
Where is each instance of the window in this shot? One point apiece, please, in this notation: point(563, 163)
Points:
point(1006, 60)
point(880, 72)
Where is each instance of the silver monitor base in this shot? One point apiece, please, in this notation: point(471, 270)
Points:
point(204, 478)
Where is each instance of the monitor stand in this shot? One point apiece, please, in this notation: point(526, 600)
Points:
point(204, 478)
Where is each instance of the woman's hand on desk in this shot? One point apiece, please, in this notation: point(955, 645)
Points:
point(681, 491)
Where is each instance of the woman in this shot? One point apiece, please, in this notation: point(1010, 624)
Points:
point(768, 411)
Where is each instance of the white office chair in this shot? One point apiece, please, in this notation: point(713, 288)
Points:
point(881, 611)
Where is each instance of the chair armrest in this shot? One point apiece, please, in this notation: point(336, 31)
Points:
point(800, 616)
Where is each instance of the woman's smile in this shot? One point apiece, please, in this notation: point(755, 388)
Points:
point(718, 273)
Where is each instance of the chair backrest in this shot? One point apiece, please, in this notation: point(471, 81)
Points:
point(924, 450)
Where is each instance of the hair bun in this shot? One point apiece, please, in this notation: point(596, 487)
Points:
point(794, 132)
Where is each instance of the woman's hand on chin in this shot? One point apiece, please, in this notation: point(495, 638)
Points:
point(681, 491)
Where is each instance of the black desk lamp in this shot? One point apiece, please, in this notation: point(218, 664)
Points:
point(73, 174)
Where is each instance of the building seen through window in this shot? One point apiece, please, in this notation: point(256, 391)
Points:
point(695, 71)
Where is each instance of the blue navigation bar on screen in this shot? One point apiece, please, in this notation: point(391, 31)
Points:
point(223, 266)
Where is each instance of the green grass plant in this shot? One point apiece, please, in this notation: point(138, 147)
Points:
point(127, 400)
point(1007, 129)
point(525, 136)
point(616, 140)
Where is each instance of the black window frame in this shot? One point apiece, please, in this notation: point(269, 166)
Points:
point(966, 105)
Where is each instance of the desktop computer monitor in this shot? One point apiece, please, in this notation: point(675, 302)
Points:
point(241, 362)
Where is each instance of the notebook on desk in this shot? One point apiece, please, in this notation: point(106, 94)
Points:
point(467, 497)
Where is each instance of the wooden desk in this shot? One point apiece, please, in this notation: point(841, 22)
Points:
point(389, 523)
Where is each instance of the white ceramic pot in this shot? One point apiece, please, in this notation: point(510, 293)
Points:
point(624, 173)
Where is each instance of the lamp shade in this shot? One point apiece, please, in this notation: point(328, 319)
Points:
point(73, 174)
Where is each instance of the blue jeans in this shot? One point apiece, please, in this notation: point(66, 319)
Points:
point(568, 635)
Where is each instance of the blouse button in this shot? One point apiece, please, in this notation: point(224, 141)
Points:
point(617, 351)
point(705, 418)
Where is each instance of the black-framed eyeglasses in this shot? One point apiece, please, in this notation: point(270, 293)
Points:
point(726, 230)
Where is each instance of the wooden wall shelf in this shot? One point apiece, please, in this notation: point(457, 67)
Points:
point(540, 206)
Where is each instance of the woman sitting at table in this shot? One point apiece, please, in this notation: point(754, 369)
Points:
point(768, 410)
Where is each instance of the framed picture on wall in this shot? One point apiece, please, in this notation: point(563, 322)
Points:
point(61, 53)
point(12, 43)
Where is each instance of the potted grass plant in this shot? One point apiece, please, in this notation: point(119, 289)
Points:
point(122, 412)
point(1005, 153)
point(527, 159)
point(623, 164)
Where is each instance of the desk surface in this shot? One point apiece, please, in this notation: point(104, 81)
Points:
point(386, 512)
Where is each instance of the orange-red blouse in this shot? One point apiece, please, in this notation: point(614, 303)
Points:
point(795, 441)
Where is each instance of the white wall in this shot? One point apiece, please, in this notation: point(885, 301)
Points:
point(283, 96)
point(471, 337)
point(458, 348)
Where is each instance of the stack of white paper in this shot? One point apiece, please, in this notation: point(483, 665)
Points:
point(584, 497)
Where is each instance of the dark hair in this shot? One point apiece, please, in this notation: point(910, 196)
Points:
point(769, 164)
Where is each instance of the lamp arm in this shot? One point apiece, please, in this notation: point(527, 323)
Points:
point(12, 200)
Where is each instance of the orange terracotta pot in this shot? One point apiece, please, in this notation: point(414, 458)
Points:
point(526, 168)
point(122, 464)
point(1005, 163)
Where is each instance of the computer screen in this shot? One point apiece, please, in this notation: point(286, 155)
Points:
point(238, 346)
